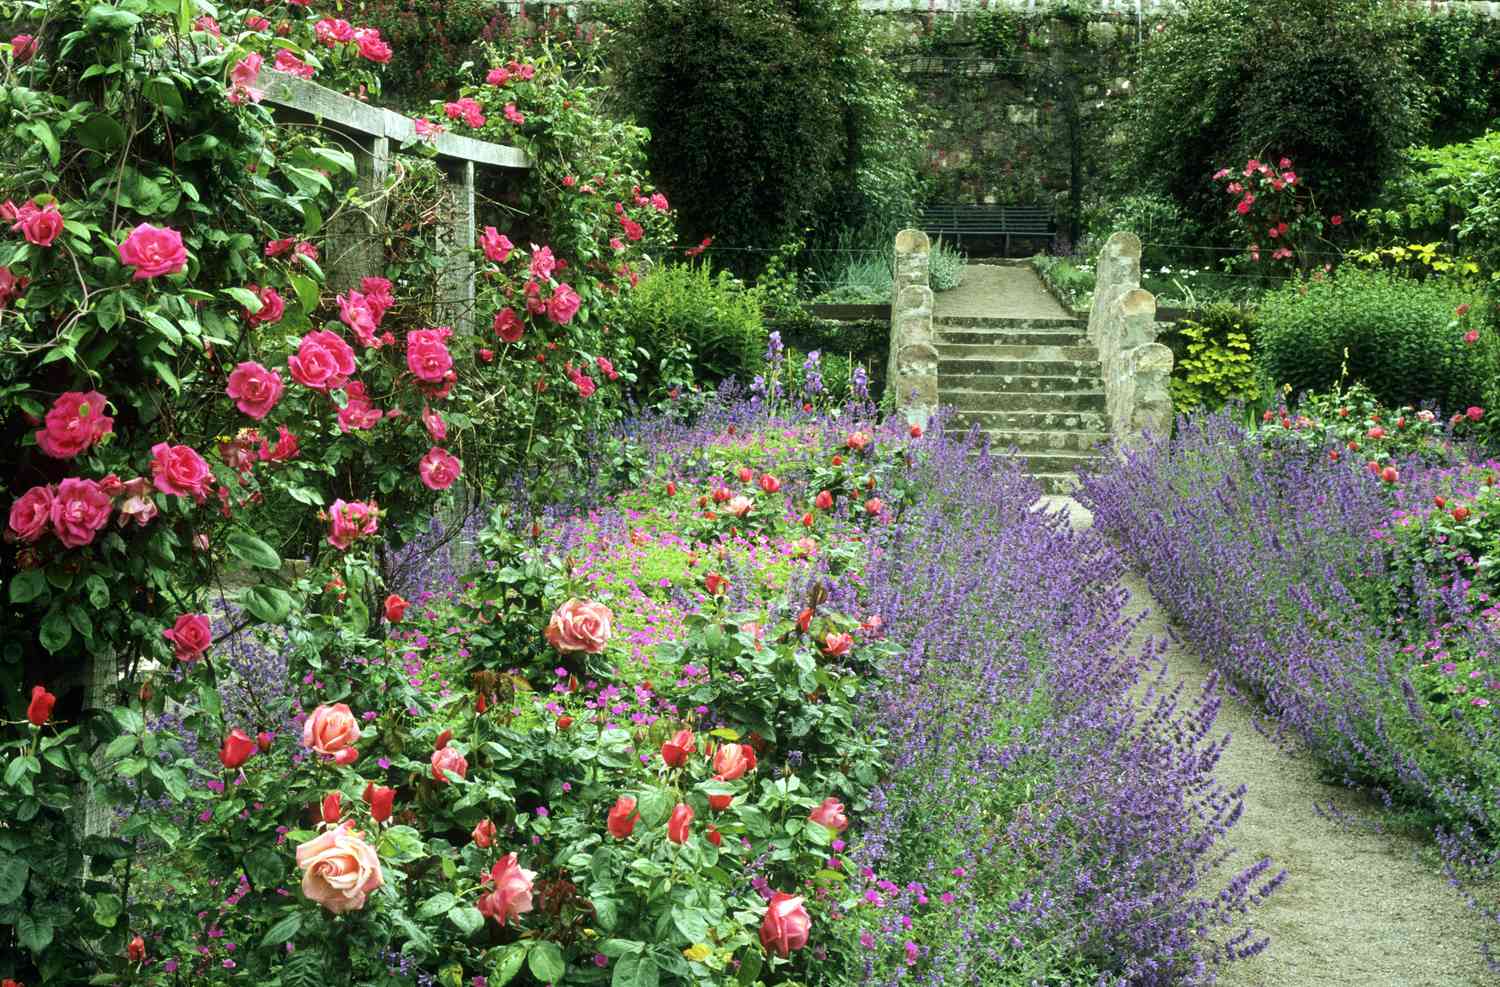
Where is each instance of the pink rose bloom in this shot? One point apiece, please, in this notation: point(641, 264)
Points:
point(359, 412)
point(514, 115)
point(371, 46)
point(254, 22)
point(448, 759)
point(254, 389)
point(831, 815)
point(786, 926)
point(534, 303)
point(286, 447)
point(339, 869)
point(246, 72)
point(289, 63)
point(739, 505)
point(272, 306)
point(439, 469)
point(497, 77)
point(330, 31)
point(138, 506)
point(323, 361)
point(659, 202)
point(508, 325)
point(350, 521)
point(153, 251)
point(427, 129)
point(606, 367)
point(74, 423)
point(10, 287)
point(580, 625)
point(191, 636)
point(563, 304)
point(437, 429)
point(180, 471)
point(584, 383)
point(633, 230)
point(497, 245)
point(427, 355)
point(1474, 414)
point(378, 296)
point(23, 48)
point(40, 226)
point(330, 729)
point(356, 312)
point(80, 508)
point(31, 513)
point(542, 262)
point(512, 895)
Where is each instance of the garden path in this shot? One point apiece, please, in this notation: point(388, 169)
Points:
point(998, 291)
point(1359, 907)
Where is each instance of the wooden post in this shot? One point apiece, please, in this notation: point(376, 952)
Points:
point(356, 236)
point(455, 243)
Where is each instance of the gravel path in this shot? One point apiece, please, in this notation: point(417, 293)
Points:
point(991, 291)
point(1358, 908)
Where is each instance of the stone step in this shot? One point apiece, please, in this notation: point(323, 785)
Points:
point(997, 350)
point(1056, 483)
point(1048, 443)
point(1014, 337)
point(1060, 399)
point(1017, 325)
point(1076, 369)
point(1033, 421)
point(1019, 383)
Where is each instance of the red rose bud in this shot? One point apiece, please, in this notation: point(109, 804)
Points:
point(382, 801)
point(564, 721)
point(715, 583)
point(769, 483)
point(804, 620)
point(484, 834)
point(395, 608)
point(623, 817)
point(536, 531)
point(263, 740)
point(1460, 514)
point(1333, 455)
point(1266, 416)
point(671, 489)
point(719, 803)
point(236, 749)
point(1376, 433)
point(40, 709)
point(721, 494)
point(675, 751)
point(1373, 467)
point(823, 501)
point(746, 474)
point(1389, 474)
point(681, 824)
point(713, 833)
point(442, 740)
point(481, 704)
point(333, 807)
point(1439, 502)
point(807, 406)
point(838, 460)
point(807, 520)
point(916, 431)
point(874, 506)
point(136, 951)
point(146, 692)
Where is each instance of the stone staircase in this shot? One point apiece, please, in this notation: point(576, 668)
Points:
point(1031, 383)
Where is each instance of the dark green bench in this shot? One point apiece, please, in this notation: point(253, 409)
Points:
point(958, 220)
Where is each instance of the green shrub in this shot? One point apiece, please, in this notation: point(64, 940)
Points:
point(1212, 360)
point(866, 344)
point(693, 324)
point(946, 266)
point(1396, 335)
point(1447, 191)
point(1071, 284)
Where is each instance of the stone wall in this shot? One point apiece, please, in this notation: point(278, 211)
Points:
point(1122, 324)
point(914, 358)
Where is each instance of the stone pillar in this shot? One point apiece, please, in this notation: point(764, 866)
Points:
point(455, 242)
point(1122, 324)
point(913, 259)
point(356, 235)
point(911, 372)
point(1117, 270)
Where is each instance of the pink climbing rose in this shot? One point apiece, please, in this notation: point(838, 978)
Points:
point(563, 304)
point(180, 472)
point(349, 521)
point(80, 508)
point(254, 389)
point(153, 251)
point(74, 424)
point(439, 469)
point(323, 361)
point(427, 354)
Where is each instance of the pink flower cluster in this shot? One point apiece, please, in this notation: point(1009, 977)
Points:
point(40, 225)
point(467, 110)
point(334, 31)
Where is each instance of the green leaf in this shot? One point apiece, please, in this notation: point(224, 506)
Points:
point(308, 182)
point(546, 962)
point(307, 292)
point(129, 720)
point(101, 132)
point(48, 138)
point(98, 591)
point(283, 931)
point(750, 965)
point(267, 603)
point(333, 158)
point(437, 905)
point(245, 297)
point(607, 910)
point(248, 548)
point(636, 970)
point(28, 585)
point(690, 923)
point(56, 631)
point(107, 909)
point(265, 868)
point(119, 747)
point(12, 878)
point(467, 918)
point(34, 931)
point(166, 374)
point(79, 618)
point(509, 964)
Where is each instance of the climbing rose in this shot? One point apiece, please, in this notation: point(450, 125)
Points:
point(74, 423)
point(243, 79)
point(606, 367)
point(236, 749)
point(23, 48)
point(180, 471)
point(508, 325)
point(580, 625)
point(786, 925)
point(395, 608)
point(563, 304)
point(542, 262)
point(512, 895)
point(831, 815)
point(31, 513)
point(331, 31)
point(675, 751)
point(190, 636)
point(40, 226)
point(1474, 414)
point(137, 505)
point(439, 469)
point(623, 817)
point(427, 355)
point(356, 312)
point(338, 869)
point(349, 521)
point(732, 761)
point(39, 711)
point(448, 759)
point(323, 361)
point(437, 429)
point(679, 827)
point(80, 508)
point(497, 245)
point(358, 412)
point(372, 46)
point(153, 251)
point(254, 388)
point(330, 729)
point(272, 306)
point(289, 63)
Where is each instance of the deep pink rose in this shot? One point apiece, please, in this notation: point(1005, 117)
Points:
point(371, 46)
point(511, 897)
point(330, 729)
point(563, 304)
point(786, 925)
point(79, 509)
point(542, 262)
point(190, 635)
point(358, 412)
point(358, 314)
point(40, 226)
point(427, 355)
point(339, 869)
point(350, 521)
point(153, 251)
point(831, 815)
point(437, 429)
point(580, 625)
point(289, 63)
point(448, 759)
point(31, 513)
point(23, 48)
point(508, 325)
point(254, 388)
point(439, 469)
point(180, 471)
point(74, 423)
point(272, 307)
point(497, 245)
point(1474, 414)
point(323, 361)
point(377, 292)
point(330, 30)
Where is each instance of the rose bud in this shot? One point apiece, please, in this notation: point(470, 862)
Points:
point(675, 751)
point(395, 608)
point(623, 817)
point(916, 431)
point(807, 520)
point(236, 749)
point(263, 740)
point(39, 711)
point(484, 834)
point(838, 460)
point(831, 815)
point(136, 951)
point(446, 759)
point(333, 807)
point(1460, 514)
point(671, 489)
point(769, 483)
point(564, 721)
point(681, 823)
point(1390, 474)
point(442, 740)
point(713, 835)
point(823, 501)
point(719, 803)
point(786, 925)
point(382, 801)
point(746, 474)
point(874, 506)
point(804, 620)
point(1439, 502)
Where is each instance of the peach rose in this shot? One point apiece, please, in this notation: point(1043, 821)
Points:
point(580, 625)
point(731, 761)
point(831, 815)
point(330, 729)
point(448, 759)
point(339, 869)
point(786, 925)
point(512, 895)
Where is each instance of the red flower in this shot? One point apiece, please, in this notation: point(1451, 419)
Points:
point(333, 807)
point(40, 709)
point(484, 833)
point(623, 817)
point(564, 721)
point(804, 620)
point(1336, 219)
point(874, 506)
point(381, 801)
point(681, 823)
point(136, 951)
point(823, 501)
point(263, 740)
point(1460, 514)
point(675, 751)
point(448, 759)
point(733, 761)
point(719, 803)
point(916, 431)
point(671, 489)
point(837, 645)
point(713, 834)
point(395, 608)
point(236, 749)
point(786, 925)
point(715, 583)
point(442, 740)
point(746, 474)
point(769, 483)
